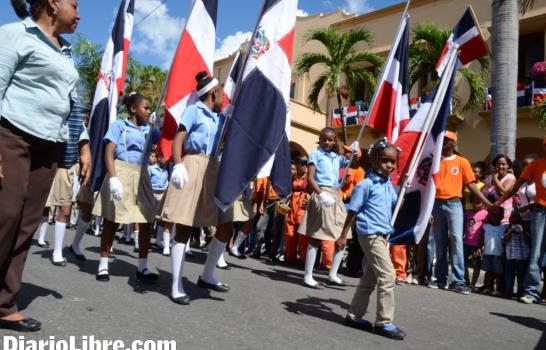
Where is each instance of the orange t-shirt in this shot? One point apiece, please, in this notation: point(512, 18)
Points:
point(261, 186)
point(455, 173)
point(536, 171)
point(357, 175)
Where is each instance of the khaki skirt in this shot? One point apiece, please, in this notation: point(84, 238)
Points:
point(193, 205)
point(85, 195)
point(138, 203)
point(323, 223)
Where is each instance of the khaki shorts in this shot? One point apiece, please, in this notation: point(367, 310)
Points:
point(61, 194)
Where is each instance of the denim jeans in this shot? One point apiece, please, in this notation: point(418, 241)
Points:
point(538, 246)
point(448, 231)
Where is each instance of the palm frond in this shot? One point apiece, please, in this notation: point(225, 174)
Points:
point(365, 56)
point(525, 5)
point(309, 59)
point(312, 98)
point(477, 88)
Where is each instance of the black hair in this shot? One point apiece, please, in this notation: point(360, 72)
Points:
point(500, 156)
point(329, 129)
point(25, 8)
point(374, 154)
point(203, 79)
point(302, 160)
point(133, 99)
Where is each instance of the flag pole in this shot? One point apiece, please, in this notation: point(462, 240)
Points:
point(376, 92)
point(431, 116)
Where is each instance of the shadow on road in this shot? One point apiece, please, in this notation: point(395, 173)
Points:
point(30, 291)
point(529, 322)
point(317, 307)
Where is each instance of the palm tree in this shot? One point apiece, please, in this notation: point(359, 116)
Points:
point(505, 37)
point(87, 57)
point(341, 60)
point(425, 49)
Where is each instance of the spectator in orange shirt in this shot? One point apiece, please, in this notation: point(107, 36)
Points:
point(298, 203)
point(455, 174)
point(534, 172)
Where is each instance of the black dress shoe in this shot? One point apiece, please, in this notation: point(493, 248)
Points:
point(240, 256)
point(79, 257)
point(183, 300)
point(147, 277)
point(358, 323)
point(390, 331)
point(336, 284)
point(60, 263)
point(26, 325)
point(222, 287)
point(318, 285)
point(104, 277)
point(227, 267)
point(44, 245)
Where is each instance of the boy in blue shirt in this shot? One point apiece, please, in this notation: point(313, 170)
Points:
point(372, 203)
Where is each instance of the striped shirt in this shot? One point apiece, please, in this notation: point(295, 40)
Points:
point(70, 154)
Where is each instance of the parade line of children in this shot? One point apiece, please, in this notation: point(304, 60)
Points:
point(318, 221)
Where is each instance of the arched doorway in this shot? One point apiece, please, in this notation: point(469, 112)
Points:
point(296, 150)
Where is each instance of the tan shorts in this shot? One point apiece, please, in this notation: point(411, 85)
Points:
point(61, 194)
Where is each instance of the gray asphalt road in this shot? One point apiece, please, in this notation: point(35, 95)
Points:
point(267, 308)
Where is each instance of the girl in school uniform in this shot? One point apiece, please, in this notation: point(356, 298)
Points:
point(189, 201)
point(126, 195)
point(372, 203)
point(325, 213)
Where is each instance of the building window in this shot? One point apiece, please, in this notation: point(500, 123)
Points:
point(531, 50)
point(293, 89)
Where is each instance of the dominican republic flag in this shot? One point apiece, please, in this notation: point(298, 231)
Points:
point(354, 115)
point(231, 81)
point(413, 217)
point(256, 142)
point(469, 38)
point(110, 84)
point(195, 53)
point(390, 111)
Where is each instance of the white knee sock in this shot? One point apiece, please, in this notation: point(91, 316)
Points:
point(338, 257)
point(82, 227)
point(309, 264)
point(127, 231)
point(60, 229)
point(159, 236)
point(177, 266)
point(221, 261)
point(42, 230)
point(103, 265)
point(188, 248)
point(216, 248)
point(167, 243)
point(136, 239)
point(238, 241)
point(98, 222)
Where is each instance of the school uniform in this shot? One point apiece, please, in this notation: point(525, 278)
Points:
point(318, 221)
point(138, 203)
point(193, 205)
point(373, 200)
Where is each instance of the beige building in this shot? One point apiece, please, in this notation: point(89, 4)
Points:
point(473, 127)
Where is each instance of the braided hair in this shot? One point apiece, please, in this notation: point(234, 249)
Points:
point(132, 100)
point(374, 155)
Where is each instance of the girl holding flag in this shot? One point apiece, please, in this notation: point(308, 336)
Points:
point(189, 201)
point(126, 195)
point(325, 213)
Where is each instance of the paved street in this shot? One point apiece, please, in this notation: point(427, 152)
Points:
point(267, 308)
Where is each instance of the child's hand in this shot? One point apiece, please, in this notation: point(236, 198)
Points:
point(341, 244)
point(478, 253)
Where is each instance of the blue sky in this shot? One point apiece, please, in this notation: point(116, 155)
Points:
point(155, 38)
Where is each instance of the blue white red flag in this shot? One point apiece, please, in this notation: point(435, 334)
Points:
point(390, 111)
point(231, 81)
point(195, 53)
point(413, 218)
point(467, 35)
point(256, 142)
point(110, 84)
